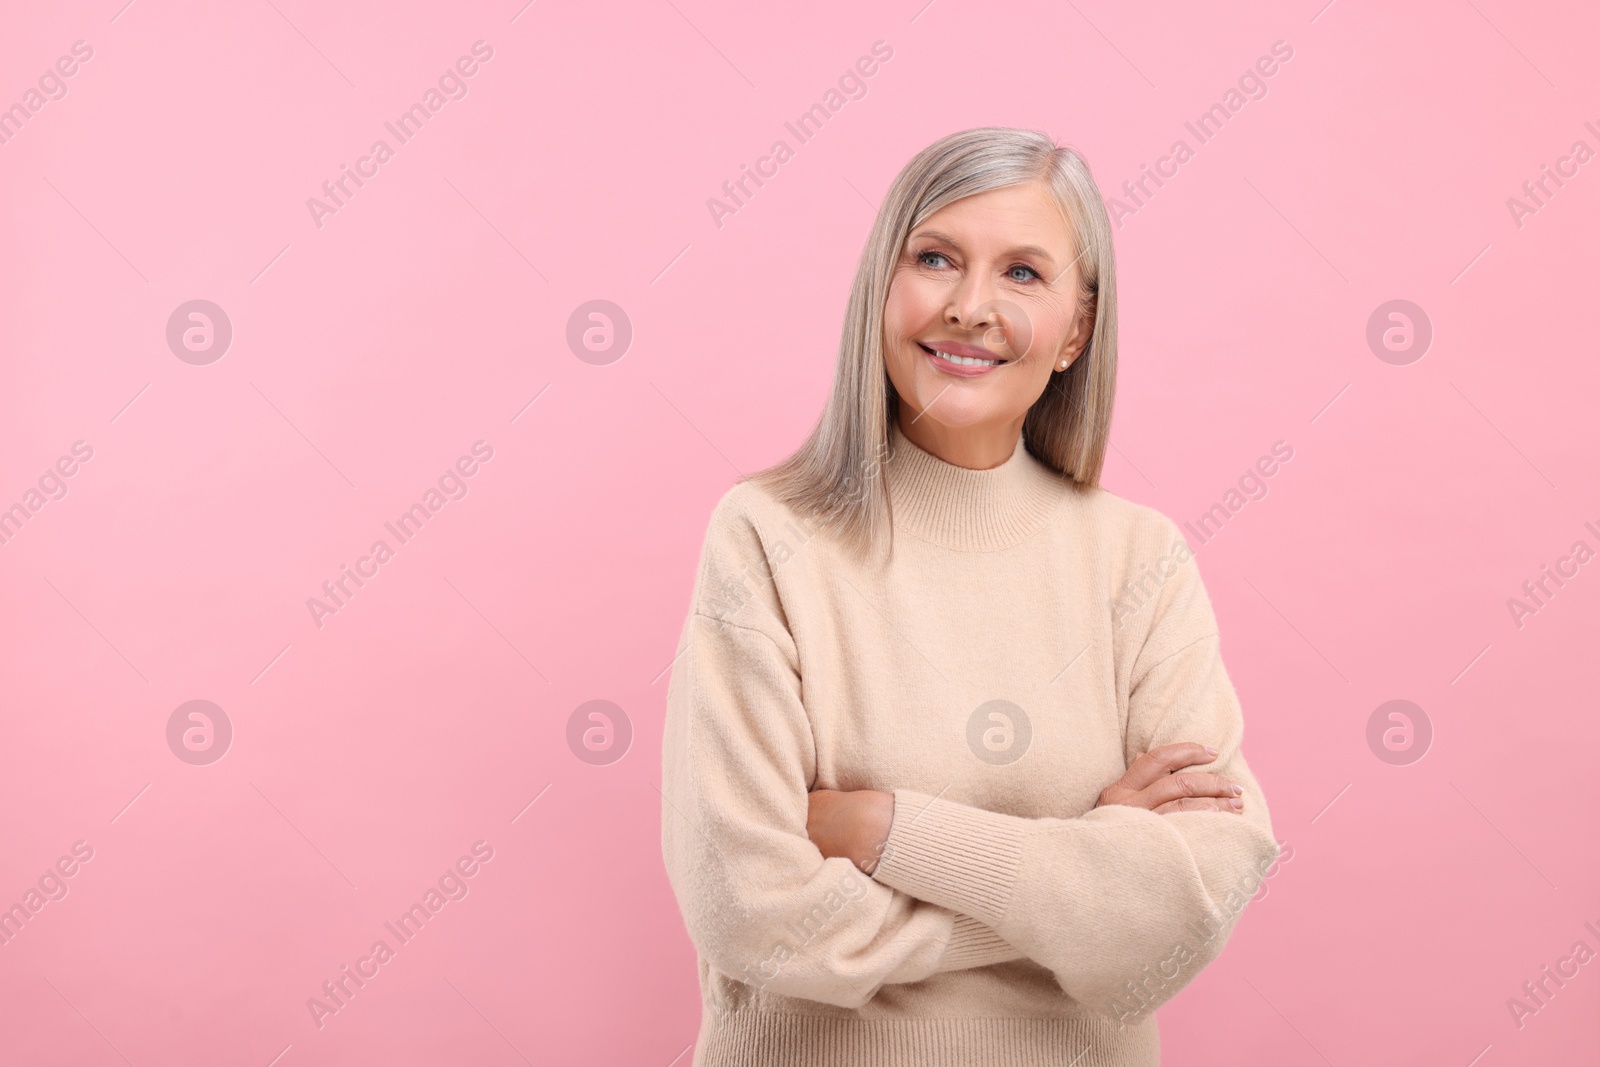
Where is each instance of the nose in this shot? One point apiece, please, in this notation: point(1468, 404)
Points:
point(972, 305)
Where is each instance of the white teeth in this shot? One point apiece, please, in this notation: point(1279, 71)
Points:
point(968, 361)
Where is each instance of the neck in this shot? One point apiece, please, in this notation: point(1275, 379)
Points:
point(974, 447)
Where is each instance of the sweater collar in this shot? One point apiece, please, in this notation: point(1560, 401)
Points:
point(961, 508)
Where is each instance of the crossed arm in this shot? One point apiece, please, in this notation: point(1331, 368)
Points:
point(855, 823)
point(773, 879)
point(1092, 898)
point(760, 901)
point(858, 825)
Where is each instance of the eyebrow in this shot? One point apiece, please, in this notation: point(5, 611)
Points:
point(1033, 250)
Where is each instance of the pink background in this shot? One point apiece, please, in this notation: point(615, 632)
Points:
point(371, 352)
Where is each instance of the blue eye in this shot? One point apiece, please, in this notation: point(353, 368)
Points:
point(922, 257)
point(1030, 270)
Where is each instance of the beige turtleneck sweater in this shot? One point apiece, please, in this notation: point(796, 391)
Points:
point(1025, 641)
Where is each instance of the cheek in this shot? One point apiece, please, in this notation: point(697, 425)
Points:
point(894, 322)
point(908, 308)
point(1030, 379)
point(1050, 328)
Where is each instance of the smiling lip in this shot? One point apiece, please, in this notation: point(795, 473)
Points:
point(970, 351)
point(959, 370)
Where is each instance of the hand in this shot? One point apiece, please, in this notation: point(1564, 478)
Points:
point(1151, 782)
point(850, 823)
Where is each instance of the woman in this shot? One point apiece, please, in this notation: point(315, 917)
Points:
point(952, 765)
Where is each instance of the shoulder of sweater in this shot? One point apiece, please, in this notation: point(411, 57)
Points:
point(745, 513)
point(1143, 531)
point(734, 579)
point(1161, 602)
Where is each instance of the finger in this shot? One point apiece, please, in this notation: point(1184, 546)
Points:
point(1155, 764)
point(1196, 804)
point(1191, 784)
point(1186, 804)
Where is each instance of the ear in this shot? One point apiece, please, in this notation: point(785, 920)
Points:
point(1074, 348)
point(1077, 342)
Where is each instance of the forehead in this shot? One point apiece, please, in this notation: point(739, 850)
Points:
point(999, 218)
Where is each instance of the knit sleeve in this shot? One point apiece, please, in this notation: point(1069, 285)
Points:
point(1122, 904)
point(760, 902)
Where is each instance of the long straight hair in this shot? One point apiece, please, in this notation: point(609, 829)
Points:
point(833, 477)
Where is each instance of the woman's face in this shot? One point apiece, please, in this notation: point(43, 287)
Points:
point(991, 276)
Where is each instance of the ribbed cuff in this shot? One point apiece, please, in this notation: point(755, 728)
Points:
point(760, 1037)
point(958, 857)
point(973, 944)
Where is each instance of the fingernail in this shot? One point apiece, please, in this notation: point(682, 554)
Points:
point(1210, 751)
point(1236, 802)
point(1238, 790)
